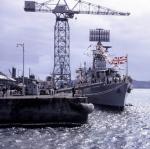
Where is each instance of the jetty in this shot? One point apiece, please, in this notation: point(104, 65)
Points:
point(43, 110)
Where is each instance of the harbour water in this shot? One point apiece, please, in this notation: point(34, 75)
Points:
point(106, 129)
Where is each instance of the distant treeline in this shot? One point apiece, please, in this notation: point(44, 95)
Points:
point(141, 84)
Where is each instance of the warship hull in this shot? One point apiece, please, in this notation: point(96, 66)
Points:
point(107, 94)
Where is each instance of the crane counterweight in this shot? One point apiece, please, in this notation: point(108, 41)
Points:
point(29, 6)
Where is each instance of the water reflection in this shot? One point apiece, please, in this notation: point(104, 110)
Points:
point(129, 129)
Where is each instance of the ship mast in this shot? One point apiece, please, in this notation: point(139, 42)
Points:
point(99, 36)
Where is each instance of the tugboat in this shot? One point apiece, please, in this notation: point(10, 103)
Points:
point(103, 85)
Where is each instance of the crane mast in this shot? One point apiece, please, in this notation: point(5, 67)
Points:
point(61, 69)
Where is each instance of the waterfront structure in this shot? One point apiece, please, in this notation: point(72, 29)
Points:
point(5, 80)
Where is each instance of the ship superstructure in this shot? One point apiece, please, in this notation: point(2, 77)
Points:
point(101, 84)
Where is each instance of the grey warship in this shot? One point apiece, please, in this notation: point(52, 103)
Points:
point(103, 85)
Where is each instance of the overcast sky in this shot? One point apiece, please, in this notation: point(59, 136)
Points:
point(129, 35)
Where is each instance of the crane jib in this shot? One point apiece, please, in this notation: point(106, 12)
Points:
point(79, 8)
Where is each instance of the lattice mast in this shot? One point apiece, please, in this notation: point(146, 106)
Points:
point(99, 57)
point(61, 70)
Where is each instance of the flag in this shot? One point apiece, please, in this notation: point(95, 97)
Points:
point(119, 60)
